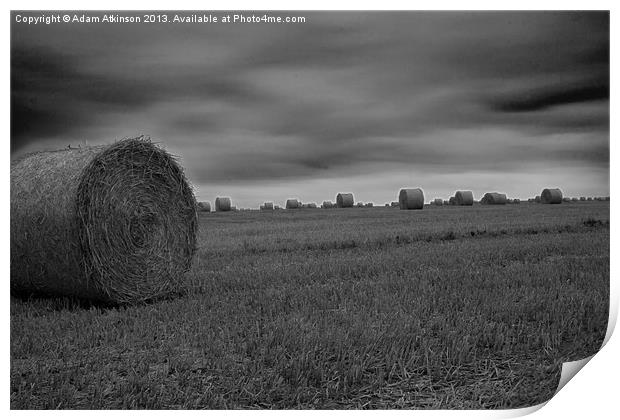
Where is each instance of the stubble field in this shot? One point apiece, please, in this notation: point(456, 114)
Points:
point(448, 307)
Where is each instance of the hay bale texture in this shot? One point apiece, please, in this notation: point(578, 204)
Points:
point(494, 198)
point(292, 203)
point(204, 206)
point(112, 223)
point(551, 196)
point(344, 200)
point(464, 198)
point(411, 199)
point(223, 204)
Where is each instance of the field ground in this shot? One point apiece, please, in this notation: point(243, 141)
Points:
point(448, 307)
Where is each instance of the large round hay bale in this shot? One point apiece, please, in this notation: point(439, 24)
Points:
point(344, 200)
point(223, 204)
point(551, 196)
point(494, 198)
point(292, 203)
point(204, 206)
point(464, 198)
point(112, 223)
point(411, 199)
point(438, 202)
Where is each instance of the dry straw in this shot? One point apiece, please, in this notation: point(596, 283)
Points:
point(223, 204)
point(292, 203)
point(494, 198)
point(551, 196)
point(411, 199)
point(464, 198)
point(204, 206)
point(111, 223)
point(344, 200)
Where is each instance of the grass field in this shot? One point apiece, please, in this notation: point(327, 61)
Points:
point(448, 307)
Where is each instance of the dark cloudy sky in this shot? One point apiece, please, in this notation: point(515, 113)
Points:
point(362, 102)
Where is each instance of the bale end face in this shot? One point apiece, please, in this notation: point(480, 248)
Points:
point(121, 222)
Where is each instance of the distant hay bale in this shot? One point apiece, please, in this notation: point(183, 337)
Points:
point(204, 206)
point(369, 205)
point(452, 201)
point(464, 198)
point(344, 200)
point(411, 199)
point(537, 199)
point(267, 206)
point(566, 199)
point(551, 196)
point(292, 203)
point(394, 204)
point(360, 204)
point(113, 223)
point(574, 199)
point(311, 205)
point(223, 204)
point(509, 201)
point(438, 202)
point(327, 205)
point(494, 198)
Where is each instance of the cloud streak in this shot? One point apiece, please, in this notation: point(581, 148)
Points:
point(341, 95)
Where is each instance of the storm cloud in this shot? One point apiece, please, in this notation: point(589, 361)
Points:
point(345, 100)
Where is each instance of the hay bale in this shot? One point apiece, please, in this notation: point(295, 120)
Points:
point(223, 204)
point(360, 204)
point(311, 206)
point(204, 206)
point(394, 204)
point(411, 199)
point(494, 198)
point(537, 199)
point(574, 199)
point(438, 202)
point(267, 206)
point(566, 199)
point(327, 205)
point(509, 201)
point(292, 203)
point(369, 205)
point(464, 198)
point(112, 223)
point(452, 201)
point(344, 200)
point(551, 196)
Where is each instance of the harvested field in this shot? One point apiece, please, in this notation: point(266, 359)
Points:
point(447, 307)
